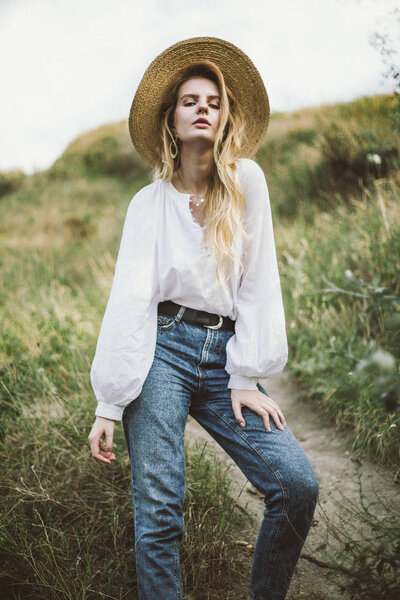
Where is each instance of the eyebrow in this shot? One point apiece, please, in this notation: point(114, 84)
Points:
point(196, 96)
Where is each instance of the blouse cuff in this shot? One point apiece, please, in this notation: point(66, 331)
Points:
point(238, 382)
point(109, 411)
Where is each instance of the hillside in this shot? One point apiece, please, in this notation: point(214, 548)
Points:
point(333, 174)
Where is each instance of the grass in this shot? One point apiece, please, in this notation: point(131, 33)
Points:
point(66, 525)
point(342, 298)
point(366, 549)
point(66, 528)
point(333, 174)
point(318, 157)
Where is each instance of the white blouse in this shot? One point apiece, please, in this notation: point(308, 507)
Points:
point(161, 258)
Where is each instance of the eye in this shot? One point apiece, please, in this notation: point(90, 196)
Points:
point(191, 102)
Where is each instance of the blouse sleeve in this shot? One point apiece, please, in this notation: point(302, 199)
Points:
point(127, 338)
point(258, 349)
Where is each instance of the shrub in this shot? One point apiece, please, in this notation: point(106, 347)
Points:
point(367, 546)
point(107, 156)
point(354, 158)
point(342, 291)
point(11, 181)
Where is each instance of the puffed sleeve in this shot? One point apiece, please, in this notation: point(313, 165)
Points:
point(258, 349)
point(127, 338)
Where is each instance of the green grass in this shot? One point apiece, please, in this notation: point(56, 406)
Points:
point(333, 174)
point(341, 289)
point(66, 525)
point(66, 529)
point(318, 157)
point(366, 548)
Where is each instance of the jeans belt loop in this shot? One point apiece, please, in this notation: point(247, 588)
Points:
point(179, 314)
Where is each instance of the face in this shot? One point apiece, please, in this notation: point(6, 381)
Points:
point(198, 97)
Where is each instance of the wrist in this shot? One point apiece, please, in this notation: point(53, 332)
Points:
point(98, 418)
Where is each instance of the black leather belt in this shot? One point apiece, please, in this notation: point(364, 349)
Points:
point(199, 317)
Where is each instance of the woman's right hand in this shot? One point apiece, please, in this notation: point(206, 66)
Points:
point(100, 451)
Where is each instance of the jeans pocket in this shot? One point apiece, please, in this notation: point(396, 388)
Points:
point(165, 322)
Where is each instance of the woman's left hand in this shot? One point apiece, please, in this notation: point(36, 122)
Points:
point(259, 403)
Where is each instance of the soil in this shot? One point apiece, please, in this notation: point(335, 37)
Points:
point(339, 472)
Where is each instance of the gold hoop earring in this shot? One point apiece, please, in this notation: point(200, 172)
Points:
point(174, 154)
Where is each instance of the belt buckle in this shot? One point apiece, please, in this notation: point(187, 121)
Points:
point(218, 325)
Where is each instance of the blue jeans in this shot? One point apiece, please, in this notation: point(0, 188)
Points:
point(187, 376)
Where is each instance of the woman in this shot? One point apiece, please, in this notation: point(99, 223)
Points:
point(195, 315)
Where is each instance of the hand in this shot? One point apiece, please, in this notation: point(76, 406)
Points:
point(259, 403)
point(99, 451)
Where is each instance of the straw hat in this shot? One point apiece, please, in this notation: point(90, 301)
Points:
point(240, 75)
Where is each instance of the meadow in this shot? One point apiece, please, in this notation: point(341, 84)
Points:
point(335, 180)
point(333, 174)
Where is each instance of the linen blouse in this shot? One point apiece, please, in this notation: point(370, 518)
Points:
point(161, 257)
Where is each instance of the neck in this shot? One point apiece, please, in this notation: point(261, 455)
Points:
point(194, 171)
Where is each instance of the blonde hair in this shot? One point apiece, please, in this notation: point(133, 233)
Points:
point(224, 203)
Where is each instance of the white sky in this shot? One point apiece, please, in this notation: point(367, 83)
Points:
point(68, 66)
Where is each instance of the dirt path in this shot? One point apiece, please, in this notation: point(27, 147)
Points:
point(337, 470)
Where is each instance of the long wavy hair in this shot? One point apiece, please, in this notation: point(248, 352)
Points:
point(224, 203)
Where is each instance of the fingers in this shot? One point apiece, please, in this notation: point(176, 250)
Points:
point(109, 438)
point(101, 458)
point(266, 413)
point(276, 419)
point(100, 451)
point(237, 411)
point(276, 413)
point(280, 413)
point(263, 405)
point(265, 417)
point(107, 453)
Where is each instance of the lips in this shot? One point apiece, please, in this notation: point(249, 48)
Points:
point(201, 120)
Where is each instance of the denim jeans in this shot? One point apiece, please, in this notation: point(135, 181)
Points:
point(187, 376)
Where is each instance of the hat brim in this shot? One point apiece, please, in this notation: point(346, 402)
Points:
point(240, 75)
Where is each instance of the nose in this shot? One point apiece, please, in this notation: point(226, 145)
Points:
point(203, 107)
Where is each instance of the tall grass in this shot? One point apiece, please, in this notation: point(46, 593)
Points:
point(339, 267)
point(66, 524)
point(66, 527)
point(319, 157)
point(366, 548)
point(342, 298)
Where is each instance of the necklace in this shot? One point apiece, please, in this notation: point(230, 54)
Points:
point(201, 199)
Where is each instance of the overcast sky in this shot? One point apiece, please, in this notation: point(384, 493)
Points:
point(68, 66)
